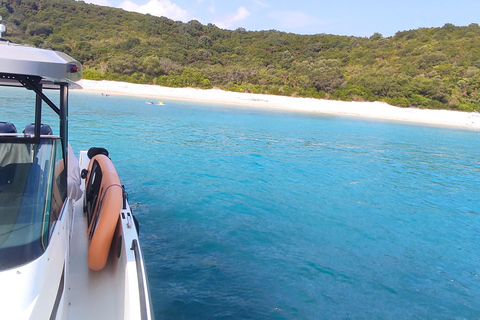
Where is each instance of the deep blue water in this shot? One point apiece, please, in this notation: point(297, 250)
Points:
point(247, 214)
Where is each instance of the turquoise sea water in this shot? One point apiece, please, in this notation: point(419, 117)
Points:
point(247, 214)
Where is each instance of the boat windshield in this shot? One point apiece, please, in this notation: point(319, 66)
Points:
point(32, 194)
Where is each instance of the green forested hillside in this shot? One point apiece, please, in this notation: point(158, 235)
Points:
point(428, 68)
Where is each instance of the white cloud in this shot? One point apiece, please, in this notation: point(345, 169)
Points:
point(129, 6)
point(211, 8)
point(262, 4)
point(294, 19)
point(158, 8)
point(230, 20)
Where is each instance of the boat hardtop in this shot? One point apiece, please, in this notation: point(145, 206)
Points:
point(69, 246)
point(51, 66)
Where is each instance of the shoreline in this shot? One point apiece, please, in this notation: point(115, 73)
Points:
point(370, 110)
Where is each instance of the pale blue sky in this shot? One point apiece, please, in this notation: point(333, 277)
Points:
point(339, 17)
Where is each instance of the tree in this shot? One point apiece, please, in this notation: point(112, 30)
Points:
point(123, 64)
point(431, 67)
point(168, 66)
point(151, 65)
point(376, 36)
point(323, 74)
point(39, 29)
point(205, 41)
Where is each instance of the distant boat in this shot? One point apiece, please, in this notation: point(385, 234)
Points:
point(148, 102)
point(160, 103)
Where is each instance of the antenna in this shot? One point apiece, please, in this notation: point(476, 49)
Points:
point(2, 27)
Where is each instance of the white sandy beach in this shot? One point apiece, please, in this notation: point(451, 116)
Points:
point(373, 110)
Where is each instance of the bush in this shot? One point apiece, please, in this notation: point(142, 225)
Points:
point(92, 74)
point(355, 93)
point(398, 101)
point(423, 102)
point(39, 29)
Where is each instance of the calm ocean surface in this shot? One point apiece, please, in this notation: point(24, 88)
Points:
point(250, 214)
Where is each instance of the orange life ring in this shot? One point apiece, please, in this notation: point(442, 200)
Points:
point(105, 209)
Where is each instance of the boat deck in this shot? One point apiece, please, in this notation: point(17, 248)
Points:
point(118, 291)
point(104, 290)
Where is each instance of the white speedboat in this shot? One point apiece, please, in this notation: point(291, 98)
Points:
point(69, 246)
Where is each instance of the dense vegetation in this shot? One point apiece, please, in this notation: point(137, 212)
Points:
point(428, 68)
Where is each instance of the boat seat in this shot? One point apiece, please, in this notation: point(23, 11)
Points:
point(14, 153)
point(45, 129)
point(7, 127)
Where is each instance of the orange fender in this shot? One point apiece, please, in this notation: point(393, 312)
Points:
point(106, 210)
